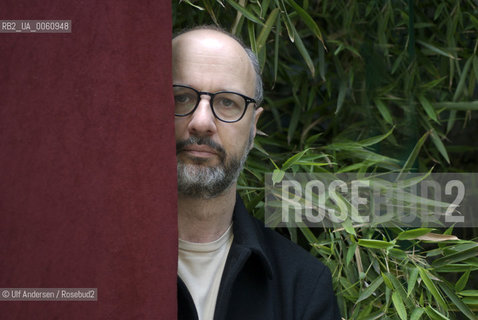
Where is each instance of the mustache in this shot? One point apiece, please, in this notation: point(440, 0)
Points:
point(180, 145)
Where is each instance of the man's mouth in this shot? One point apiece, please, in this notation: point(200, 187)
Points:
point(199, 151)
point(200, 148)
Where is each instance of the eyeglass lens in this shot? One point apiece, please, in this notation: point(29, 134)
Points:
point(227, 106)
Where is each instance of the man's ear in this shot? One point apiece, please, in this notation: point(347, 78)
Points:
point(257, 114)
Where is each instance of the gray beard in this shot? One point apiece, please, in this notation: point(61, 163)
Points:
point(199, 181)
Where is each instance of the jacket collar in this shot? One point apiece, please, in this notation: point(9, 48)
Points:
point(250, 235)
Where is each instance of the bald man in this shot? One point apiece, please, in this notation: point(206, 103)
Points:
point(230, 266)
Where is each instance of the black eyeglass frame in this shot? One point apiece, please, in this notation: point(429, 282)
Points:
point(247, 101)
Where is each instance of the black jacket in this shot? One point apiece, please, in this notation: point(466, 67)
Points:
point(267, 277)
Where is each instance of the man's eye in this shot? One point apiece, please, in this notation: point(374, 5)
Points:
point(227, 102)
point(182, 98)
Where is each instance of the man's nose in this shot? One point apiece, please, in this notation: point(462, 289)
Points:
point(203, 121)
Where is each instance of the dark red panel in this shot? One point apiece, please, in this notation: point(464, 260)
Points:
point(87, 160)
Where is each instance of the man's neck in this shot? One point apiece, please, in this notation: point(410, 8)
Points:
point(205, 220)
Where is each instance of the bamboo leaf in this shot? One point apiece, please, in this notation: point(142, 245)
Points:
point(354, 167)
point(263, 7)
point(472, 301)
point(475, 67)
point(266, 29)
point(246, 13)
point(387, 281)
point(307, 19)
point(456, 300)
point(288, 24)
point(456, 268)
point(451, 121)
point(341, 96)
point(209, 9)
point(462, 81)
point(308, 234)
point(412, 280)
point(432, 288)
point(436, 50)
point(439, 145)
point(294, 121)
point(414, 154)
point(473, 19)
point(469, 293)
point(370, 289)
point(251, 30)
point(277, 176)
point(427, 106)
point(258, 146)
point(437, 237)
point(350, 253)
point(193, 5)
point(416, 314)
point(434, 314)
point(382, 108)
point(292, 160)
point(276, 49)
point(315, 164)
point(413, 234)
point(349, 288)
point(303, 51)
point(398, 287)
point(374, 140)
point(322, 61)
point(375, 244)
point(433, 83)
point(398, 303)
point(456, 257)
point(348, 227)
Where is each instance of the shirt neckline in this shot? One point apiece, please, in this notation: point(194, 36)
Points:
point(206, 246)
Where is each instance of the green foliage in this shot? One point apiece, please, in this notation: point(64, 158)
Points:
point(366, 86)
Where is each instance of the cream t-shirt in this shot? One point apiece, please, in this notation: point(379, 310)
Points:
point(200, 266)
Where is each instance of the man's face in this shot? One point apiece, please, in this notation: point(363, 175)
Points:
point(210, 153)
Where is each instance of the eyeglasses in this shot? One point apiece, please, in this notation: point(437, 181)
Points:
point(226, 106)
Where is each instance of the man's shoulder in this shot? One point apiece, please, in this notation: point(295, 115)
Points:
point(285, 253)
point(298, 283)
point(304, 281)
point(281, 253)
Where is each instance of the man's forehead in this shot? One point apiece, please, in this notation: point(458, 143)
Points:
point(208, 37)
point(205, 39)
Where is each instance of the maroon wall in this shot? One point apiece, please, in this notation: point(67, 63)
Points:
point(87, 160)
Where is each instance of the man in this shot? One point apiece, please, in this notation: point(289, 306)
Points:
point(230, 266)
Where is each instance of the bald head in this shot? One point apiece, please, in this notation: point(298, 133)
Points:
point(218, 48)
